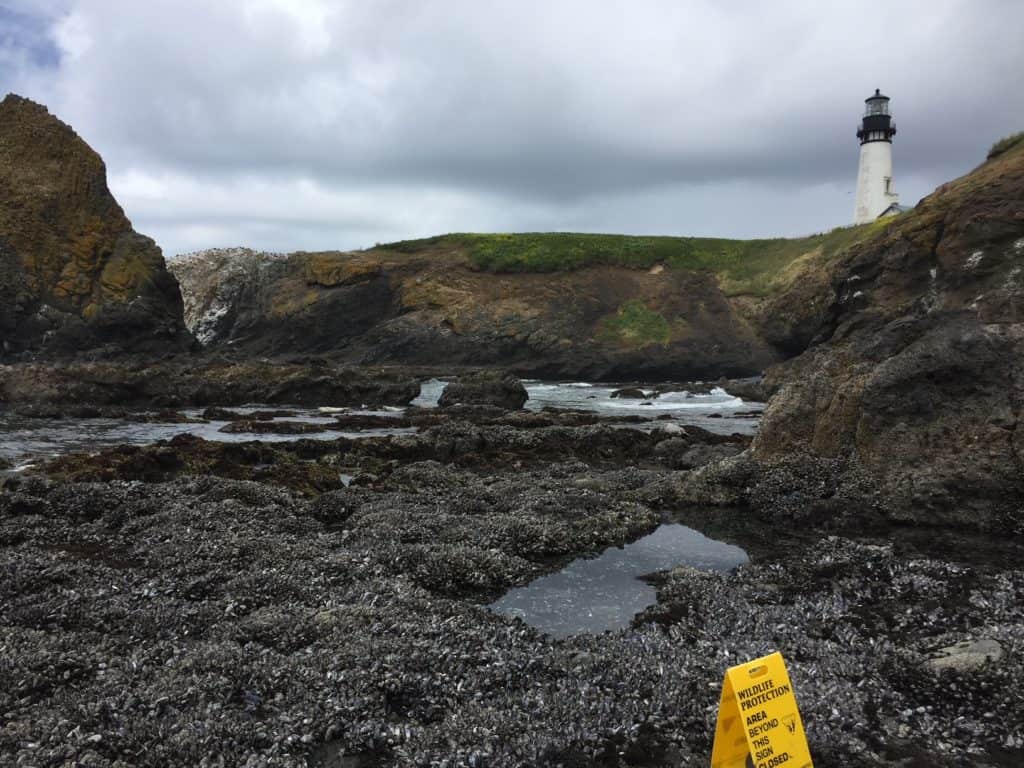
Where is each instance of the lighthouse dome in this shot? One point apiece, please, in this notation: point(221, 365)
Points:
point(878, 104)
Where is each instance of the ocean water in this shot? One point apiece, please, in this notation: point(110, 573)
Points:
point(715, 411)
point(597, 594)
point(24, 439)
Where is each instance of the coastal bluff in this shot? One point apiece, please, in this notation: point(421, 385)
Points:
point(550, 305)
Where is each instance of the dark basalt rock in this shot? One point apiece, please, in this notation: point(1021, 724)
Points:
point(314, 465)
point(305, 466)
point(630, 393)
point(165, 417)
point(677, 453)
point(74, 276)
point(495, 388)
point(751, 389)
point(921, 380)
point(361, 421)
point(272, 427)
point(226, 414)
point(181, 382)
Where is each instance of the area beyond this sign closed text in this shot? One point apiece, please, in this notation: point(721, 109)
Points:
point(759, 724)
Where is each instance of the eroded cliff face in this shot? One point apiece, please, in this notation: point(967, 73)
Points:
point(435, 308)
point(74, 275)
point(908, 404)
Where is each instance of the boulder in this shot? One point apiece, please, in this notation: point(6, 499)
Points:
point(496, 388)
point(679, 453)
point(966, 656)
point(750, 389)
point(630, 393)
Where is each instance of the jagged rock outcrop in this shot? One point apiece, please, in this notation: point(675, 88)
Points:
point(217, 284)
point(74, 275)
point(908, 406)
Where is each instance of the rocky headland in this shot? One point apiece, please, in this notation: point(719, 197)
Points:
point(307, 585)
point(908, 404)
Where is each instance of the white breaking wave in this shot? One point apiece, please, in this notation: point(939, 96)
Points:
point(667, 403)
point(598, 397)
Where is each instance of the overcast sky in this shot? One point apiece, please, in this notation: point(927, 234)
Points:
point(302, 124)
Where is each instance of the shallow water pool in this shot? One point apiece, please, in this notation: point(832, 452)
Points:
point(592, 595)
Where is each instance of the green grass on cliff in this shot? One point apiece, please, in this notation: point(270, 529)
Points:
point(742, 266)
point(1005, 144)
point(636, 325)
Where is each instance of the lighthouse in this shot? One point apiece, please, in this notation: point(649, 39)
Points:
point(876, 193)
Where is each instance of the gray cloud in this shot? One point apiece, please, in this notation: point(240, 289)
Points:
point(326, 124)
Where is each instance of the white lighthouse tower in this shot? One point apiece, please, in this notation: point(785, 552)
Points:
point(876, 193)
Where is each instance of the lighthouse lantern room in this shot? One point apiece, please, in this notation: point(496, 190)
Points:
point(876, 193)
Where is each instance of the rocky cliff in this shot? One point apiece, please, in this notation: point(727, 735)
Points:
point(907, 406)
point(556, 305)
point(74, 275)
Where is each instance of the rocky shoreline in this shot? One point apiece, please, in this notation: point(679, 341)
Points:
point(208, 621)
point(201, 603)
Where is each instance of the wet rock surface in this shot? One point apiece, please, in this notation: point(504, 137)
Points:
point(630, 393)
point(178, 382)
point(207, 620)
point(495, 388)
point(514, 440)
point(244, 603)
point(226, 414)
point(271, 427)
point(305, 466)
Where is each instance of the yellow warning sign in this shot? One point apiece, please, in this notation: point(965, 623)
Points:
point(758, 721)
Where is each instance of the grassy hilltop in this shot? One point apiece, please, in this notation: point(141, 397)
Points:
point(743, 267)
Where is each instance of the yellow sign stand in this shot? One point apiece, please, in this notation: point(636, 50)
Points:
point(758, 721)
